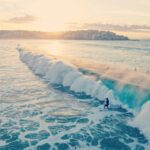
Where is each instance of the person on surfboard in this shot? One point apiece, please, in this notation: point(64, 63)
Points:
point(106, 104)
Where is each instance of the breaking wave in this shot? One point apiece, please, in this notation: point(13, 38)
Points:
point(59, 73)
point(82, 82)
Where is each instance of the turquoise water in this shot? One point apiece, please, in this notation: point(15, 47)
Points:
point(37, 115)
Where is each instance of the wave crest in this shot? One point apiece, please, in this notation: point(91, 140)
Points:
point(58, 72)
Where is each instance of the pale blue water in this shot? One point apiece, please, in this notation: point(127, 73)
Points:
point(132, 54)
point(37, 115)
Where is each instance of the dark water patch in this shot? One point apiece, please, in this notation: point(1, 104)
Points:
point(80, 95)
point(128, 140)
point(34, 142)
point(118, 108)
point(83, 120)
point(74, 143)
point(126, 115)
point(15, 145)
point(62, 146)
point(13, 137)
point(8, 136)
point(45, 146)
point(132, 132)
point(48, 118)
point(139, 147)
point(65, 137)
point(113, 144)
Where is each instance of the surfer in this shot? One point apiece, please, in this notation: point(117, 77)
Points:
point(106, 104)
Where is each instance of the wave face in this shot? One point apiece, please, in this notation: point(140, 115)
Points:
point(58, 73)
point(132, 95)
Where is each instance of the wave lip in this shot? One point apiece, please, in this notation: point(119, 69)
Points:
point(58, 72)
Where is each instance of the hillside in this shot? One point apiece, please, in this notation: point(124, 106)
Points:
point(69, 35)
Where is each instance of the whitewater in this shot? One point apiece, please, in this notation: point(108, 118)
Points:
point(52, 95)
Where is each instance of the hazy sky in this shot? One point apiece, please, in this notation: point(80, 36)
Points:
point(131, 17)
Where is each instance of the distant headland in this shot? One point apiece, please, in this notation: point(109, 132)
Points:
point(67, 35)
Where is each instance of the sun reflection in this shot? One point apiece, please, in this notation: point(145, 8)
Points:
point(55, 47)
point(52, 47)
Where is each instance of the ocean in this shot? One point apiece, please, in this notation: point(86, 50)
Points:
point(52, 94)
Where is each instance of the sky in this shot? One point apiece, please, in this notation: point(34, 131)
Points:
point(128, 17)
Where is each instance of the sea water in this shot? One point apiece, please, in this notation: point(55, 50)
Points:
point(47, 103)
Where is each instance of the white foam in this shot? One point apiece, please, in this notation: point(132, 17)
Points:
point(58, 72)
point(36, 62)
point(80, 84)
point(142, 120)
point(2, 143)
point(70, 78)
point(43, 66)
point(101, 92)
